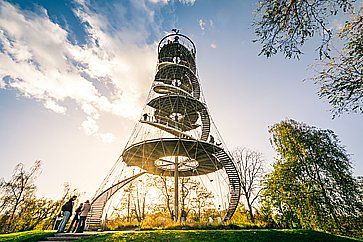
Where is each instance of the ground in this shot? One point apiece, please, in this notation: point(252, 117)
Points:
point(263, 235)
point(28, 236)
point(221, 235)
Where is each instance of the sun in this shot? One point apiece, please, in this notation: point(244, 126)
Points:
point(153, 194)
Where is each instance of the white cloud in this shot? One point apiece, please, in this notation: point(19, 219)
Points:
point(211, 23)
point(90, 110)
point(50, 104)
point(2, 83)
point(90, 126)
point(107, 137)
point(40, 62)
point(201, 24)
point(159, 1)
point(206, 24)
point(187, 2)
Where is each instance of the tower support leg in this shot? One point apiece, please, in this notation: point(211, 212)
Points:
point(176, 190)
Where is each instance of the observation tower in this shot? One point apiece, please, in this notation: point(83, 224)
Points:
point(175, 136)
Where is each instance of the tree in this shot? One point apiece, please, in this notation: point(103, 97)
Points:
point(187, 185)
point(166, 188)
point(285, 26)
point(134, 200)
point(193, 196)
point(360, 184)
point(311, 185)
point(341, 77)
point(249, 165)
point(20, 209)
point(15, 192)
point(201, 200)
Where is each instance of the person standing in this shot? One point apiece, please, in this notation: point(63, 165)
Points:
point(67, 211)
point(183, 216)
point(145, 115)
point(75, 219)
point(58, 220)
point(83, 215)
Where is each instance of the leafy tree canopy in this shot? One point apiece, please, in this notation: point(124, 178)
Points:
point(311, 185)
point(285, 26)
point(341, 77)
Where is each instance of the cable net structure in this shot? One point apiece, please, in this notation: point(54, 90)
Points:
point(175, 138)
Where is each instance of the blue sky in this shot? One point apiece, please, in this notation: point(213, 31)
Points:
point(74, 76)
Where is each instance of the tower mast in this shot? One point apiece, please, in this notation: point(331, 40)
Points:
point(176, 189)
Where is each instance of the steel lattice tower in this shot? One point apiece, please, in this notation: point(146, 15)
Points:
point(175, 135)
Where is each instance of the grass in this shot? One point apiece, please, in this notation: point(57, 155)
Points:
point(28, 236)
point(263, 235)
point(246, 235)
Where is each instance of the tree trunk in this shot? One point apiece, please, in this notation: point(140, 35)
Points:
point(128, 208)
point(143, 208)
point(250, 211)
point(167, 198)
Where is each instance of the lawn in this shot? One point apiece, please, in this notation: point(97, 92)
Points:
point(30, 236)
point(263, 235)
point(220, 235)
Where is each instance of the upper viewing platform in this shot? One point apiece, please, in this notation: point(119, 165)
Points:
point(177, 48)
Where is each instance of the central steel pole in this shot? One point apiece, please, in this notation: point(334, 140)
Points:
point(176, 177)
point(176, 189)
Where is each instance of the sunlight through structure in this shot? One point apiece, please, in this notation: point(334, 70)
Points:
point(175, 136)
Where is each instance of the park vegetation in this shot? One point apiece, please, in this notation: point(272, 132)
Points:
point(309, 186)
point(20, 209)
point(285, 26)
point(138, 209)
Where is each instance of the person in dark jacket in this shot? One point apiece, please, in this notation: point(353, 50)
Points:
point(67, 211)
point(75, 219)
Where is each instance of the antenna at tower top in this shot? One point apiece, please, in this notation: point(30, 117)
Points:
point(175, 31)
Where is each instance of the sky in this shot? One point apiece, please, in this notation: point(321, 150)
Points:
point(74, 76)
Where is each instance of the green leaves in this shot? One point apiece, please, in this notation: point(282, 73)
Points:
point(285, 25)
point(341, 78)
point(311, 185)
point(20, 209)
